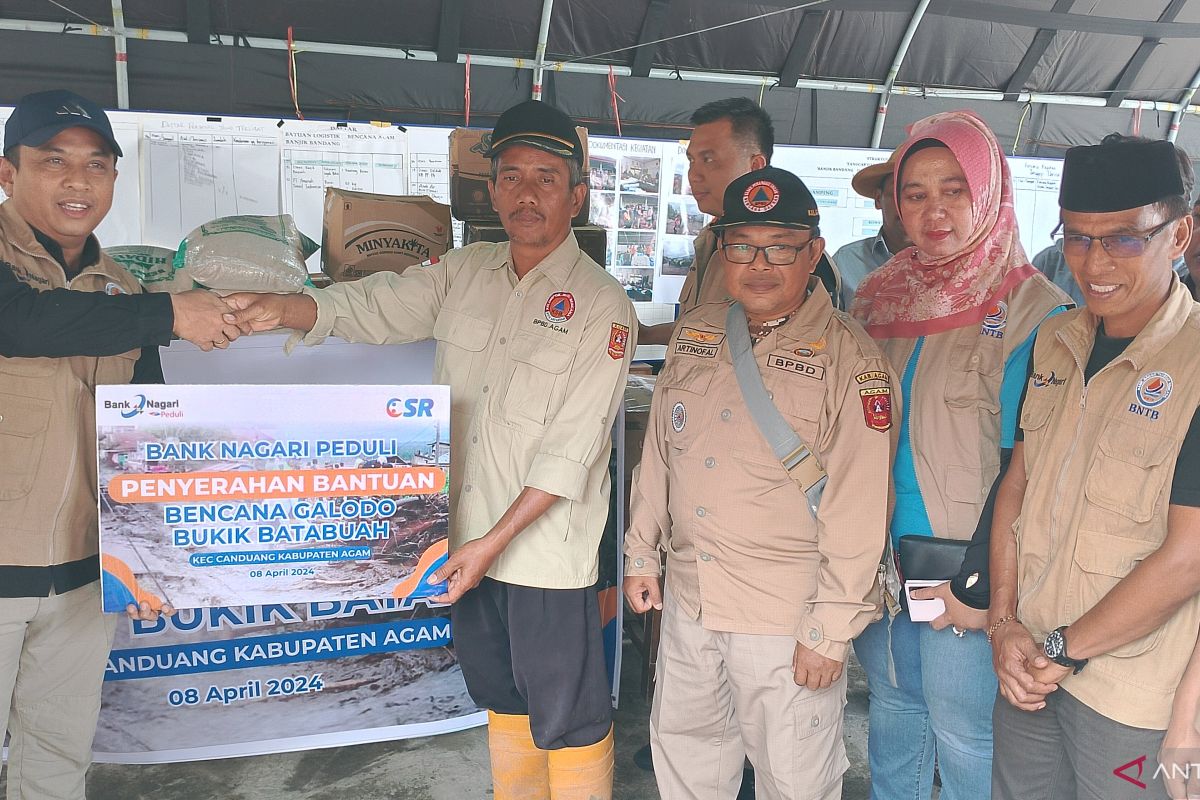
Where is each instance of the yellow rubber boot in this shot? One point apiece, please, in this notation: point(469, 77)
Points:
point(583, 773)
point(518, 765)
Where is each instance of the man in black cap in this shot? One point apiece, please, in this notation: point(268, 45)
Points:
point(70, 319)
point(768, 579)
point(534, 339)
point(1095, 550)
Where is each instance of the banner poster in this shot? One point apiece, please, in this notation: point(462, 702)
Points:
point(249, 495)
point(295, 528)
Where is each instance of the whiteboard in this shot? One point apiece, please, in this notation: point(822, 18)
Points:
point(181, 170)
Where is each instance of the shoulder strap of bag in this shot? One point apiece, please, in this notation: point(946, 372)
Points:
point(795, 456)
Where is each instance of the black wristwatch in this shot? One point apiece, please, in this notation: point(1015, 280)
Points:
point(1055, 649)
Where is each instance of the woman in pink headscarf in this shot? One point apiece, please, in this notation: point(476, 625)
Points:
point(956, 315)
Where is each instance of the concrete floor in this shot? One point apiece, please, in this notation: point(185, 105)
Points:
point(449, 767)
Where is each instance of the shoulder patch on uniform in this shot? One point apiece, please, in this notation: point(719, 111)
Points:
point(618, 338)
point(789, 364)
point(874, 375)
point(877, 408)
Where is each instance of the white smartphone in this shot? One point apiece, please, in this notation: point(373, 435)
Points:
point(923, 610)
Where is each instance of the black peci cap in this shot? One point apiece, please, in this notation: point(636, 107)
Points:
point(40, 117)
point(769, 196)
point(1119, 174)
point(539, 125)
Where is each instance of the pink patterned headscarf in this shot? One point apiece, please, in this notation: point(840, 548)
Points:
point(913, 295)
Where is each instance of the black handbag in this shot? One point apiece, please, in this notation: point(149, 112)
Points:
point(927, 558)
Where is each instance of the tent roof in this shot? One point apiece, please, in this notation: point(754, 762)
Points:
point(1099, 52)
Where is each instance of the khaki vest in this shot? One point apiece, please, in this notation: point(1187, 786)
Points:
point(1100, 462)
point(954, 423)
point(48, 419)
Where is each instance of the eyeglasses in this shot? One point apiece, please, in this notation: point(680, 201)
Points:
point(778, 255)
point(1118, 245)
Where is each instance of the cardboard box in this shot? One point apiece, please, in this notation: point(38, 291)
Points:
point(593, 240)
point(470, 169)
point(367, 233)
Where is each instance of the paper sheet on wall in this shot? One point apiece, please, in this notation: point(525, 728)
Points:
point(194, 171)
point(362, 158)
point(1035, 197)
point(429, 167)
point(123, 225)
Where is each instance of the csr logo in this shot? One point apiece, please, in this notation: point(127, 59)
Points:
point(411, 407)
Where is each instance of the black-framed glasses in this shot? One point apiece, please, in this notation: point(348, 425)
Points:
point(778, 255)
point(1117, 245)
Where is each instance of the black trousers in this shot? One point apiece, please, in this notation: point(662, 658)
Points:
point(536, 652)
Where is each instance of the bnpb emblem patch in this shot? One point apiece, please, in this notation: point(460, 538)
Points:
point(760, 197)
point(560, 307)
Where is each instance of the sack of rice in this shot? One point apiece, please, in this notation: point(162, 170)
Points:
point(153, 267)
point(247, 253)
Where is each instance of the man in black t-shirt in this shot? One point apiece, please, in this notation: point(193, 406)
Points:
point(1095, 538)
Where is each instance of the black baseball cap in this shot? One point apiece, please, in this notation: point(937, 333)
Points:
point(41, 116)
point(769, 196)
point(539, 125)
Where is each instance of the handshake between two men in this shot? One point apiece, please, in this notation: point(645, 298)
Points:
point(210, 321)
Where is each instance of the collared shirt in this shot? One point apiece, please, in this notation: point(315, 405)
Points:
point(705, 281)
point(857, 260)
point(536, 368)
point(744, 551)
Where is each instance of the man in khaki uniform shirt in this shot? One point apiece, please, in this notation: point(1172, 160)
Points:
point(730, 138)
point(534, 339)
point(763, 595)
point(1095, 550)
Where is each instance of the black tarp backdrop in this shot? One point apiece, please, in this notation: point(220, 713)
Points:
point(1144, 50)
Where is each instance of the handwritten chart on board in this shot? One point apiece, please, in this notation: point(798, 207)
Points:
point(362, 158)
point(193, 172)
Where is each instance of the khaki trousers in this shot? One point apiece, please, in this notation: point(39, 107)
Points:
point(720, 697)
point(52, 656)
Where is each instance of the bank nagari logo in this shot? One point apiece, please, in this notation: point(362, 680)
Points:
point(143, 405)
point(1041, 381)
point(410, 407)
point(1153, 389)
point(760, 197)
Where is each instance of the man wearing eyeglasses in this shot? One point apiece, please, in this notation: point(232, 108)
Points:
point(765, 592)
point(1095, 549)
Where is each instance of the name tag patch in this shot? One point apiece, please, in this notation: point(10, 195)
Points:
point(698, 350)
point(789, 364)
